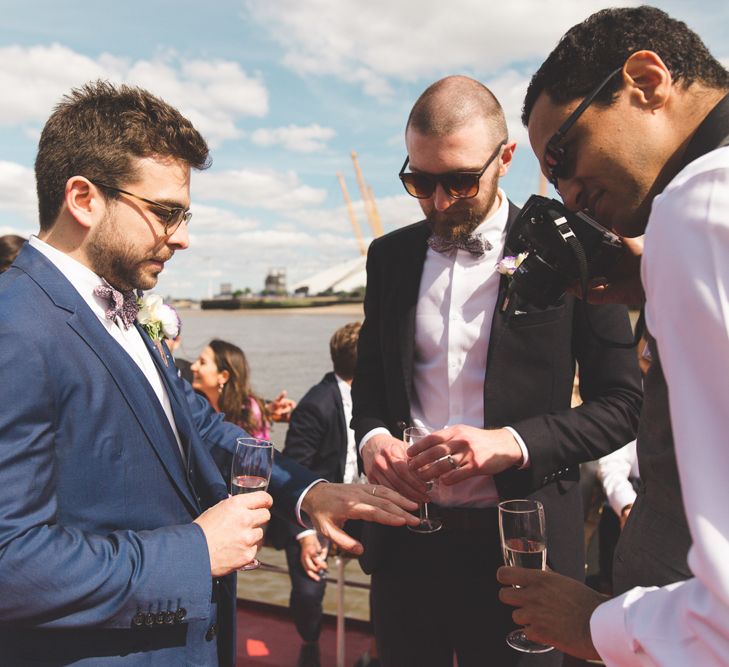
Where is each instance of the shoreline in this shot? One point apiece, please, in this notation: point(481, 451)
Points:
point(356, 309)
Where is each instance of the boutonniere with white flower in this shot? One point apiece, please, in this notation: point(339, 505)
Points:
point(510, 263)
point(506, 267)
point(158, 320)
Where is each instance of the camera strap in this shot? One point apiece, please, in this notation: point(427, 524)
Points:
point(574, 243)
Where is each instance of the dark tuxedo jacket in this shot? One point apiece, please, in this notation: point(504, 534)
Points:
point(101, 562)
point(528, 386)
point(316, 439)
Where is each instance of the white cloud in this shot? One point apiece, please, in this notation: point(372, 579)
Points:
point(374, 43)
point(263, 188)
point(17, 194)
point(214, 94)
point(309, 139)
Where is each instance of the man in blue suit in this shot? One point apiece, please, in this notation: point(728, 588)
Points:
point(118, 541)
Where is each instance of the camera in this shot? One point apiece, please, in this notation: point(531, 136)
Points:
point(563, 248)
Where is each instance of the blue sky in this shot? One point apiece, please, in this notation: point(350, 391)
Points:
point(283, 90)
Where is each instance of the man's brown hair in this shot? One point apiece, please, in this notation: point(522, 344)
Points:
point(97, 130)
point(343, 348)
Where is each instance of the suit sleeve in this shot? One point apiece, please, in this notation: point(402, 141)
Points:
point(289, 480)
point(612, 397)
point(59, 576)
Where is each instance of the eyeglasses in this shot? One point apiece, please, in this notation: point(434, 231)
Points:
point(554, 154)
point(171, 216)
point(457, 184)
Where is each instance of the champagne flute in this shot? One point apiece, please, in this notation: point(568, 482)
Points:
point(524, 543)
point(251, 471)
point(427, 524)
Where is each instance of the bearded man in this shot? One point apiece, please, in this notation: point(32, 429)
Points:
point(438, 349)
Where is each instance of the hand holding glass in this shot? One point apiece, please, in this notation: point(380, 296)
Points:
point(251, 471)
point(427, 525)
point(524, 543)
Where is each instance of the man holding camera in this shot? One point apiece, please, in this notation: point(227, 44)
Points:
point(647, 151)
point(438, 348)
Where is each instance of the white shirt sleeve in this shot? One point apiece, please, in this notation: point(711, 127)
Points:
point(685, 272)
point(614, 471)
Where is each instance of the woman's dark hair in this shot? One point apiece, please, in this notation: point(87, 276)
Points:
point(10, 246)
point(236, 395)
point(590, 50)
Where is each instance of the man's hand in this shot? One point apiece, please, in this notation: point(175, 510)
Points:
point(330, 505)
point(554, 609)
point(313, 556)
point(459, 452)
point(280, 408)
point(623, 284)
point(234, 529)
point(385, 462)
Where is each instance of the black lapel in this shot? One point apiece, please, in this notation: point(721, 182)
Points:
point(712, 133)
point(500, 318)
point(409, 263)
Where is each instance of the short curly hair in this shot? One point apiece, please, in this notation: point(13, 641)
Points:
point(590, 50)
point(96, 131)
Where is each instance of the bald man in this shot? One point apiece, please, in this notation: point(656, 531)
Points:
point(437, 349)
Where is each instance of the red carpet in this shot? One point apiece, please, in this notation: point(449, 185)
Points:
point(269, 638)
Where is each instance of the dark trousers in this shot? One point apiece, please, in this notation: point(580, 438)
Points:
point(435, 595)
point(306, 596)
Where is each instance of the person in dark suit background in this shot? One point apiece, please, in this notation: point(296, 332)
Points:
point(436, 348)
point(118, 540)
point(319, 438)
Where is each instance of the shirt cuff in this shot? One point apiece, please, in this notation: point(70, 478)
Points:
point(301, 500)
point(375, 431)
point(609, 631)
point(305, 533)
point(522, 445)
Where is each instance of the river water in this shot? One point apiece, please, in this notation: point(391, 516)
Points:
point(286, 349)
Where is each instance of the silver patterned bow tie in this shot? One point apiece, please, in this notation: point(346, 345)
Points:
point(476, 244)
point(121, 304)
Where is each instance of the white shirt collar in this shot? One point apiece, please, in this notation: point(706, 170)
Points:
point(83, 279)
point(345, 389)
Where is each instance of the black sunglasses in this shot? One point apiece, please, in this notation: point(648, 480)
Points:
point(457, 184)
point(554, 154)
point(171, 216)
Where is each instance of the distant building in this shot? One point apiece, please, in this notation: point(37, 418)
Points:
point(275, 284)
point(346, 277)
point(226, 291)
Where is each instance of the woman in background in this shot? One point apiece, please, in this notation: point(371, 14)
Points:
point(221, 374)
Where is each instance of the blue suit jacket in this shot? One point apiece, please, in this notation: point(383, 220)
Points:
point(100, 562)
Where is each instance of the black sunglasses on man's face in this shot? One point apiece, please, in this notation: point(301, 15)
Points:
point(457, 184)
point(554, 154)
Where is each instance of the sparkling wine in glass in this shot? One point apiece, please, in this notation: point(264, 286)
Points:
point(524, 544)
point(251, 471)
point(427, 524)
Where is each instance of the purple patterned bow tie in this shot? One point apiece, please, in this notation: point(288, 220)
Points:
point(476, 244)
point(121, 304)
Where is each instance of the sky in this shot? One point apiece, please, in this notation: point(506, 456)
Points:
point(283, 91)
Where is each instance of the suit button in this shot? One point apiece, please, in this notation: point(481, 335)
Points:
point(169, 617)
point(161, 617)
point(138, 619)
point(180, 615)
point(212, 632)
point(150, 619)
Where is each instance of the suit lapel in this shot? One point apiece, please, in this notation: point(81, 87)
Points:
point(410, 270)
point(129, 379)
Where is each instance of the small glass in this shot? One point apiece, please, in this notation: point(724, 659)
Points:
point(524, 543)
point(251, 471)
point(427, 524)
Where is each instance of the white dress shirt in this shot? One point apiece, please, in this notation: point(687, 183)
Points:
point(615, 472)
point(84, 280)
point(351, 470)
point(685, 273)
point(456, 303)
